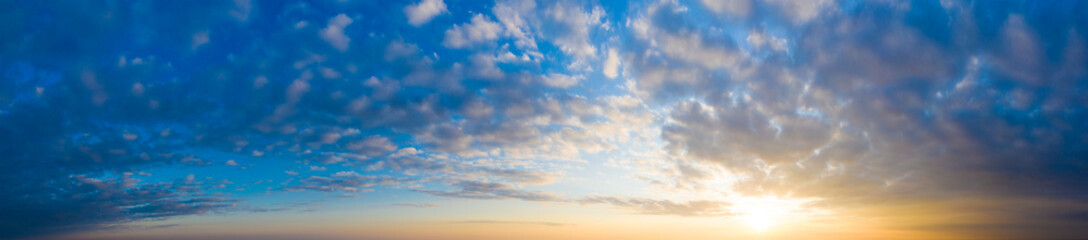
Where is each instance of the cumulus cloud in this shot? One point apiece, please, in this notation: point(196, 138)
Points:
point(611, 67)
point(561, 81)
point(577, 23)
point(801, 12)
point(333, 33)
point(737, 8)
point(411, 163)
point(759, 40)
point(372, 146)
point(480, 29)
point(423, 11)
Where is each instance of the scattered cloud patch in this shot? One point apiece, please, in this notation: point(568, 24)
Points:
point(423, 11)
point(480, 29)
point(333, 33)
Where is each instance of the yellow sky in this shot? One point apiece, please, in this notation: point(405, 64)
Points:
point(526, 220)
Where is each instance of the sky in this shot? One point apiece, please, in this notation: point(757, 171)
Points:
point(523, 119)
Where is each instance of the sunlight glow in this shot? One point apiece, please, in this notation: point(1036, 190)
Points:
point(759, 220)
point(762, 213)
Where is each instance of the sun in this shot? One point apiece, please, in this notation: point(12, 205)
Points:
point(762, 213)
point(759, 221)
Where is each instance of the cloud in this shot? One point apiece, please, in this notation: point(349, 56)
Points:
point(864, 107)
point(411, 164)
point(291, 96)
point(524, 177)
point(663, 207)
point(350, 182)
point(561, 81)
point(372, 146)
point(694, 49)
point(801, 12)
point(333, 33)
point(611, 67)
point(423, 11)
point(568, 25)
point(416, 205)
point(94, 203)
point(480, 29)
point(736, 8)
point(879, 110)
point(576, 25)
point(512, 16)
point(199, 38)
point(493, 191)
point(759, 40)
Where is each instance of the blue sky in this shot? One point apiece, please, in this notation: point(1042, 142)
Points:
point(892, 119)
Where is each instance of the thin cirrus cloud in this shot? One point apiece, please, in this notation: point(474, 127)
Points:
point(939, 119)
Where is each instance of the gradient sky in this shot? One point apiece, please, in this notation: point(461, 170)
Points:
point(458, 119)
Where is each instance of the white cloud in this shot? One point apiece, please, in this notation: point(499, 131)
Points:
point(424, 11)
point(372, 145)
point(409, 151)
point(561, 81)
point(334, 32)
point(801, 11)
point(399, 50)
point(573, 37)
point(524, 177)
point(758, 41)
point(199, 39)
point(564, 24)
point(738, 8)
point(483, 66)
point(511, 16)
point(478, 30)
point(612, 64)
point(241, 10)
point(694, 49)
point(478, 110)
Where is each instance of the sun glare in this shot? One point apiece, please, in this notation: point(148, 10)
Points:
point(759, 221)
point(762, 213)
